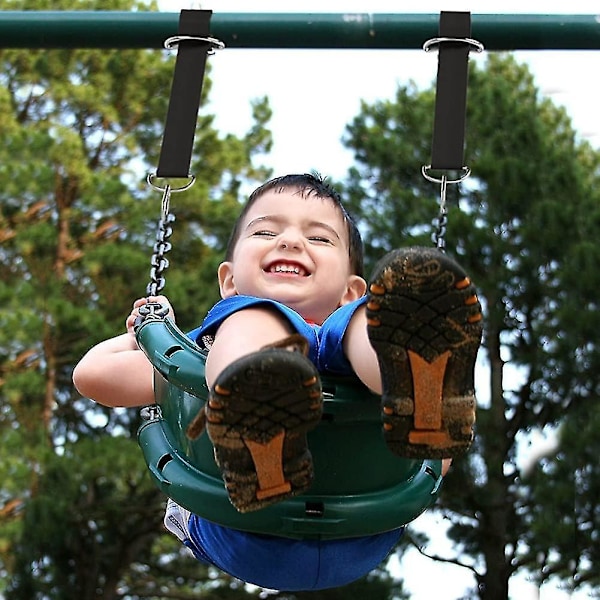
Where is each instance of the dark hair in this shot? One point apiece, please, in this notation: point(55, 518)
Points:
point(308, 184)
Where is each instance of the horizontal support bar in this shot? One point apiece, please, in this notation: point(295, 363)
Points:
point(120, 29)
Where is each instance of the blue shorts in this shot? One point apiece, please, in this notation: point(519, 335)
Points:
point(325, 341)
point(287, 564)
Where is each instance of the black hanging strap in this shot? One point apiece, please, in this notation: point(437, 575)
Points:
point(451, 92)
point(447, 152)
point(182, 115)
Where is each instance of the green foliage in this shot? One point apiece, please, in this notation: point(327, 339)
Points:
point(524, 226)
point(94, 510)
point(571, 478)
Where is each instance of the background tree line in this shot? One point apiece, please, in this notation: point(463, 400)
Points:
point(79, 517)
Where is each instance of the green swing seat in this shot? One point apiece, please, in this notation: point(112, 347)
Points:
point(360, 487)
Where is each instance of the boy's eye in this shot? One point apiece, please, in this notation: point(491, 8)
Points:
point(320, 238)
point(265, 232)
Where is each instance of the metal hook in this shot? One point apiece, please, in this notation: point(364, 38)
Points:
point(165, 202)
point(441, 222)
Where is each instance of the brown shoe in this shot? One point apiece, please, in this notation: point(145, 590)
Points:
point(425, 324)
point(257, 416)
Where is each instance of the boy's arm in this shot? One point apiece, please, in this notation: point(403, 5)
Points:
point(116, 372)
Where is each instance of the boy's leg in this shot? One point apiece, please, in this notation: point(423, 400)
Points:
point(261, 404)
point(242, 333)
point(424, 323)
point(360, 353)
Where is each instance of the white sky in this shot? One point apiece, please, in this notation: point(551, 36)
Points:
point(315, 94)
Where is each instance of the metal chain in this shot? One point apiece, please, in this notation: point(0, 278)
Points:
point(440, 223)
point(159, 262)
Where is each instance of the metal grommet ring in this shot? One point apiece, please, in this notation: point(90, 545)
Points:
point(152, 176)
point(214, 43)
point(424, 171)
point(429, 44)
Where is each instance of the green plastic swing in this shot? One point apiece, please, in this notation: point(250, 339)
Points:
point(360, 487)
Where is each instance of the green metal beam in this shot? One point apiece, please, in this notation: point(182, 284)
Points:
point(116, 29)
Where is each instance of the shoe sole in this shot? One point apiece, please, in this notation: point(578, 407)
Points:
point(425, 324)
point(257, 417)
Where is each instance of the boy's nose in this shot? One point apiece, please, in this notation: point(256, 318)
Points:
point(287, 245)
point(290, 241)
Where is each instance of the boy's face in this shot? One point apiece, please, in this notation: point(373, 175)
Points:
point(293, 249)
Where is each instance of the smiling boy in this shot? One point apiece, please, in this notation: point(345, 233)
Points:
point(294, 306)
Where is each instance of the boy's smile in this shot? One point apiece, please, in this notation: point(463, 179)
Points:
point(287, 269)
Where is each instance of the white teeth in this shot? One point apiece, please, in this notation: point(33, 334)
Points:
point(286, 269)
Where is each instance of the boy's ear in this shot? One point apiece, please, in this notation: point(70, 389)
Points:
point(356, 288)
point(226, 284)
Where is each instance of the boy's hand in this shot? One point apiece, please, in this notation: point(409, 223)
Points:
point(135, 313)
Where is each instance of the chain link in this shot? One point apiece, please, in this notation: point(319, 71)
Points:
point(441, 222)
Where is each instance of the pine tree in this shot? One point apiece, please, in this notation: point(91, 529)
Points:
point(524, 226)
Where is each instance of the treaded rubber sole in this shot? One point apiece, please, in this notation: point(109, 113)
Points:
point(425, 324)
point(257, 416)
